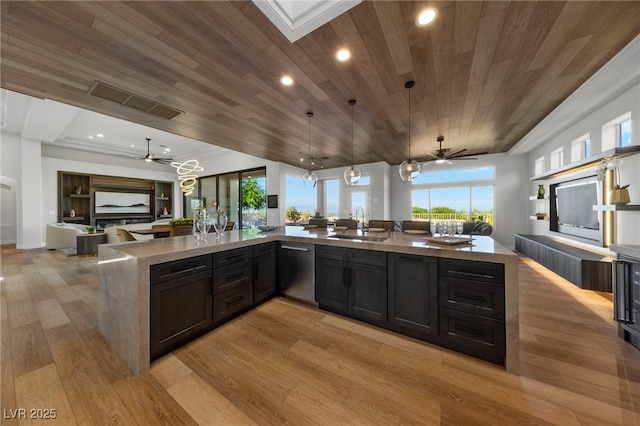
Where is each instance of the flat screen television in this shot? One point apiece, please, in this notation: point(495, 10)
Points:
point(572, 212)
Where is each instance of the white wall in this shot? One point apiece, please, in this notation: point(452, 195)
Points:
point(9, 173)
point(511, 180)
point(627, 228)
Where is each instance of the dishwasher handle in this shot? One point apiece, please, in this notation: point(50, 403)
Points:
point(294, 248)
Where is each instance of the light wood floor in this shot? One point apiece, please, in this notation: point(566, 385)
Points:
point(286, 363)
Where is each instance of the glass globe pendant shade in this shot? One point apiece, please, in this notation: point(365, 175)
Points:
point(310, 179)
point(352, 175)
point(409, 170)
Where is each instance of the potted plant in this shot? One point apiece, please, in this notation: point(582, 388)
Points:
point(91, 229)
point(619, 194)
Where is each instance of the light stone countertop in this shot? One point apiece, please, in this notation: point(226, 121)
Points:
point(124, 287)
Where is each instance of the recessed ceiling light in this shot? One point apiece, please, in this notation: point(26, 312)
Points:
point(426, 17)
point(133, 146)
point(167, 149)
point(301, 158)
point(90, 137)
point(286, 80)
point(100, 135)
point(343, 55)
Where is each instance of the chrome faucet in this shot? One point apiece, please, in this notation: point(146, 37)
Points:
point(360, 209)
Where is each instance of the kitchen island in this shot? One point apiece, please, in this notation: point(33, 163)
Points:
point(125, 277)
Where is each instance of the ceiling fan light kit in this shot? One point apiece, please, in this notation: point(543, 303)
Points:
point(310, 179)
point(409, 169)
point(150, 158)
point(352, 174)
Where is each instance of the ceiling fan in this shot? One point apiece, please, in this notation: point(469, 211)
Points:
point(443, 156)
point(149, 157)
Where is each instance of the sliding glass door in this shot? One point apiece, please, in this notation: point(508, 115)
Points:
point(241, 195)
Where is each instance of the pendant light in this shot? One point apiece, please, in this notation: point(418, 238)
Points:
point(352, 174)
point(310, 179)
point(409, 169)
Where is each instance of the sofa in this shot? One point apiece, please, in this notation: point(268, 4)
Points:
point(63, 235)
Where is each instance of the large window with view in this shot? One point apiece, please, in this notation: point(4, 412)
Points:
point(332, 199)
point(300, 202)
point(454, 195)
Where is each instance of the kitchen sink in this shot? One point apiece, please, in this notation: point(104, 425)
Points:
point(366, 236)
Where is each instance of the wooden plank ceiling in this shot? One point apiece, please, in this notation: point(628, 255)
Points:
point(486, 72)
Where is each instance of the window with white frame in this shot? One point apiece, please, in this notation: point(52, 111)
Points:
point(459, 195)
point(556, 158)
point(581, 148)
point(617, 132)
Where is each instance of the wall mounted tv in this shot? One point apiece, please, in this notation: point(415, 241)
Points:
point(571, 208)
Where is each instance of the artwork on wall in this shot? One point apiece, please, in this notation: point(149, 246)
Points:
point(272, 201)
point(122, 202)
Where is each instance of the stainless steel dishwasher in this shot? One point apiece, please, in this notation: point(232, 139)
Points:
point(296, 277)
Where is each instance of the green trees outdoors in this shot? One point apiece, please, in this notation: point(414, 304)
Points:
point(253, 197)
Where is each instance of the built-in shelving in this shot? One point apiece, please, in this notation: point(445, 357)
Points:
point(619, 152)
point(617, 208)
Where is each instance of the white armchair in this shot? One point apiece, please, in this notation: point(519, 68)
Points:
point(63, 235)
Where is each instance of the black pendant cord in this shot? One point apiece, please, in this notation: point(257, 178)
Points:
point(309, 114)
point(409, 85)
point(352, 102)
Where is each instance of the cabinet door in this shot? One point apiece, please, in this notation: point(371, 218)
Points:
point(413, 297)
point(181, 309)
point(264, 278)
point(367, 289)
point(331, 285)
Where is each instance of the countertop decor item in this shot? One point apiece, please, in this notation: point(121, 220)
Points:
point(409, 169)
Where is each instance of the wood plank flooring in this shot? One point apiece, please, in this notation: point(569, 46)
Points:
point(287, 363)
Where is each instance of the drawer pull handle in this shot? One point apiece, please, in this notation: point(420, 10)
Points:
point(470, 274)
point(233, 276)
point(234, 300)
point(468, 296)
point(469, 330)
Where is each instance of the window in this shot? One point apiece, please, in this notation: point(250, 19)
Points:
point(331, 199)
point(581, 148)
point(364, 180)
point(462, 195)
point(556, 158)
point(625, 133)
point(617, 132)
point(299, 198)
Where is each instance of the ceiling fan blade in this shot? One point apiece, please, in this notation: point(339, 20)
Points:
point(162, 160)
point(453, 154)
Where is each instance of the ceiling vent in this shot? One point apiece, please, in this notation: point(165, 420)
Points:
point(132, 100)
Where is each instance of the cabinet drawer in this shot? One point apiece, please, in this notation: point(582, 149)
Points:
point(231, 257)
point(368, 257)
point(472, 296)
point(180, 268)
point(264, 249)
point(472, 270)
point(230, 302)
point(232, 276)
point(474, 335)
point(331, 253)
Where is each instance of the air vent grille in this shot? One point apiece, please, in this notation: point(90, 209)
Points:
point(132, 100)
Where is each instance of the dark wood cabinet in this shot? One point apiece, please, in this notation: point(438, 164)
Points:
point(472, 308)
point(232, 283)
point(413, 295)
point(352, 282)
point(181, 305)
point(264, 272)
point(74, 198)
point(331, 285)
